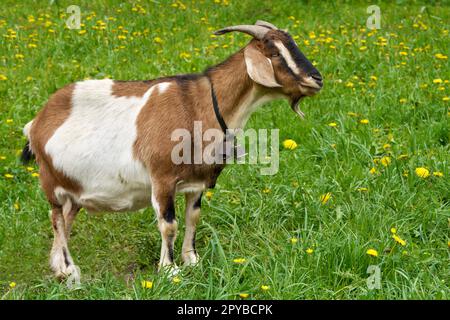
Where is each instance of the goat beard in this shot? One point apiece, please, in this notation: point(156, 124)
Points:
point(295, 106)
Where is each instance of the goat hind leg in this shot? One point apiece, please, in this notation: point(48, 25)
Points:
point(60, 259)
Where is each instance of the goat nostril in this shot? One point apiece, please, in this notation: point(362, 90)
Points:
point(316, 77)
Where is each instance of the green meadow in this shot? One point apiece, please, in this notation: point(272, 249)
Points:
point(366, 182)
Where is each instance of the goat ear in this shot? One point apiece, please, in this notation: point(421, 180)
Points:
point(259, 68)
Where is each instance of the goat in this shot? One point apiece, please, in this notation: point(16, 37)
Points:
point(105, 145)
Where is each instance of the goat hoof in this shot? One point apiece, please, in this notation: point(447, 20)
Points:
point(190, 259)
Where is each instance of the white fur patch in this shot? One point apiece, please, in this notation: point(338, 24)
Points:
point(287, 56)
point(94, 146)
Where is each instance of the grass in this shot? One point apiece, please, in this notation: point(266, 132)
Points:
point(385, 77)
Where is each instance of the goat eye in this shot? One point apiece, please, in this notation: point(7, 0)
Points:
point(275, 54)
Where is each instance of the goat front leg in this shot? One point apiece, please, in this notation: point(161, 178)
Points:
point(163, 201)
point(193, 205)
point(60, 259)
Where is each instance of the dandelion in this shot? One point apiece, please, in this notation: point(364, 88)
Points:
point(176, 280)
point(208, 195)
point(185, 55)
point(364, 121)
point(147, 284)
point(332, 124)
point(352, 114)
point(402, 100)
point(403, 53)
point(385, 161)
point(243, 295)
point(19, 56)
point(81, 32)
point(289, 144)
point(309, 251)
point(386, 146)
point(30, 169)
point(265, 288)
point(12, 285)
point(362, 48)
point(399, 240)
point(393, 230)
point(3, 77)
point(373, 78)
point(446, 99)
point(157, 40)
point(372, 252)
point(9, 176)
point(35, 175)
point(16, 206)
point(349, 84)
point(440, 56)
point(9, 121)
point(239, 260)
point(373, 170)
point(437, 81)
point(422, 172)
point(438, 174)
point(294, 240)
point(362, 189)
point(325, 197)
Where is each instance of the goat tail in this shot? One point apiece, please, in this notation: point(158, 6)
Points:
point(27, 154)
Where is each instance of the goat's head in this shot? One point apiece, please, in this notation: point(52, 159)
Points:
point(274, 61)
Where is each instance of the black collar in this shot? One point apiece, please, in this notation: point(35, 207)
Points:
point(219, 117)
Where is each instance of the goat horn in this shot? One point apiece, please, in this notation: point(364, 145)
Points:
point(265, 24)
point(256, 31)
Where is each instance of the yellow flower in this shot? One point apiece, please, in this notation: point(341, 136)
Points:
point(266, 190)
point(393, 230)
point(386, 146)
point(3, 77)
point(208, 195)
point(19, 56)
point(332, 124)
point(185, 55)
point(9, 121)
point(372, 252)
point(363, 189)
point(294, 240)
point(448, 244)
point(325, 197)
point(12, 285)
point(364, 121)
point(373, 78)
point(9, 176)
point(441, 56)
point(16, 206)
point(362, 48)
point(422, 172)
point(265, 288)
point(176, 280)
point(239, 260)
point(402, 100)
point(349, 84)
point(121, 37)
point(438, 174)
point(352, 114)
point(243, 295)
point(403, 53)
point(30, 169)
point(437, 81)
point(309, 251)
point(35, 175)
point(373, 170)
point(289, 144)
point(147, 284)
point(445, 98)
point(82, 32)
point(385, 161)
point(157, 40)
point(399, 240)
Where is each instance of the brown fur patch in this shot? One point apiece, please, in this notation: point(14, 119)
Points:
point(50, 118)
point(130, 88)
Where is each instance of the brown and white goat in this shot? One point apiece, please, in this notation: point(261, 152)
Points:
point(106, 145)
